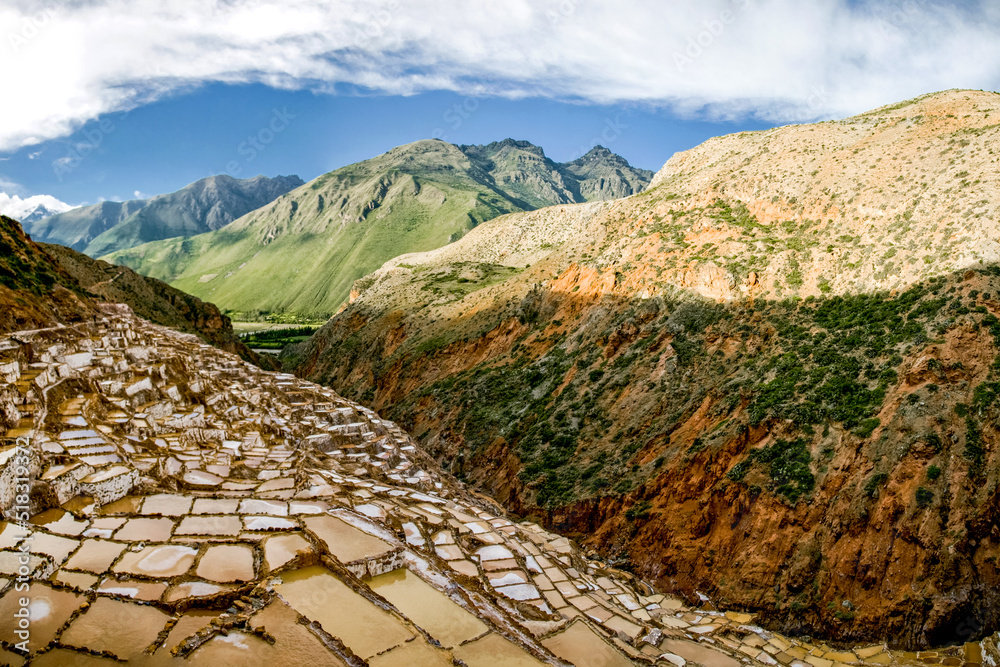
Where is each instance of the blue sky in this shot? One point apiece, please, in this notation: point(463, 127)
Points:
point(230, 129)
point(108, 98)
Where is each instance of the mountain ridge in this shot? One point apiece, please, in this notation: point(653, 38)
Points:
point(205, 205)
point(314, 242)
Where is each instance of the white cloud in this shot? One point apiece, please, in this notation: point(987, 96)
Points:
point(140, 195)
point(17, 208)
point(774, 59)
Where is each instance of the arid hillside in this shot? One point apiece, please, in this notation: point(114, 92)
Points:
point(771, 378)
point(43, 285)
point(34, 290)
point(155, 301)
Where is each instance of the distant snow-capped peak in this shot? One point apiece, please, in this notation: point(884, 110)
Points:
point(31, 208)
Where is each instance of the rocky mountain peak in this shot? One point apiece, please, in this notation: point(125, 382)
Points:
point(598, 152)
point(202, 206)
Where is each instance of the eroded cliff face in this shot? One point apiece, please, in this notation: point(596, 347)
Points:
point(827, 464)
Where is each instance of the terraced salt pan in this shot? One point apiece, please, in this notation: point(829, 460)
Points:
point(106, 474)
point(83, 443)
point(268, 523)
point(187, 625)
point(126, 505)
point(78, 580)
point(497, 565)
point(215, 506)
point(277, 484)
point(294, 644)
point(11, 564)
point(413, 535)
point(193, 589)
point(464, 567)
point(218, 469)
point(698, 653)
point(80, 434)
point(445, 620)
point(413, 654)
point(449, 552)
point(222, 524)
point(92, 449)
point(55, 471)
point(202, 478)
point(316, 594)
point(370, 511)
point(166, 504)
point(95, 555)
point(145, 530)
point(579, 645)
point(60, 521)
point(495, 552)
point(522, 592)
point(131, 588)
point(58, 548)
point(268, 507)
point(443, 537)
point(227, 563)
point(280, 549)
point(495, 651)
point(345, 542)
point(507, 578)
point(48, 610)
point(81, 506)
point(100, 460)
point(166, 560)
point(100, 628)
point(300, 507)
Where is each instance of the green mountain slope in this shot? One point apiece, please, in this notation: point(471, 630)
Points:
point(203, 206)
point(301, 253)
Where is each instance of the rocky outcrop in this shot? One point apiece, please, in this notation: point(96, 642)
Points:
point(43, 285)
point(603, 175)
point(34, 290)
